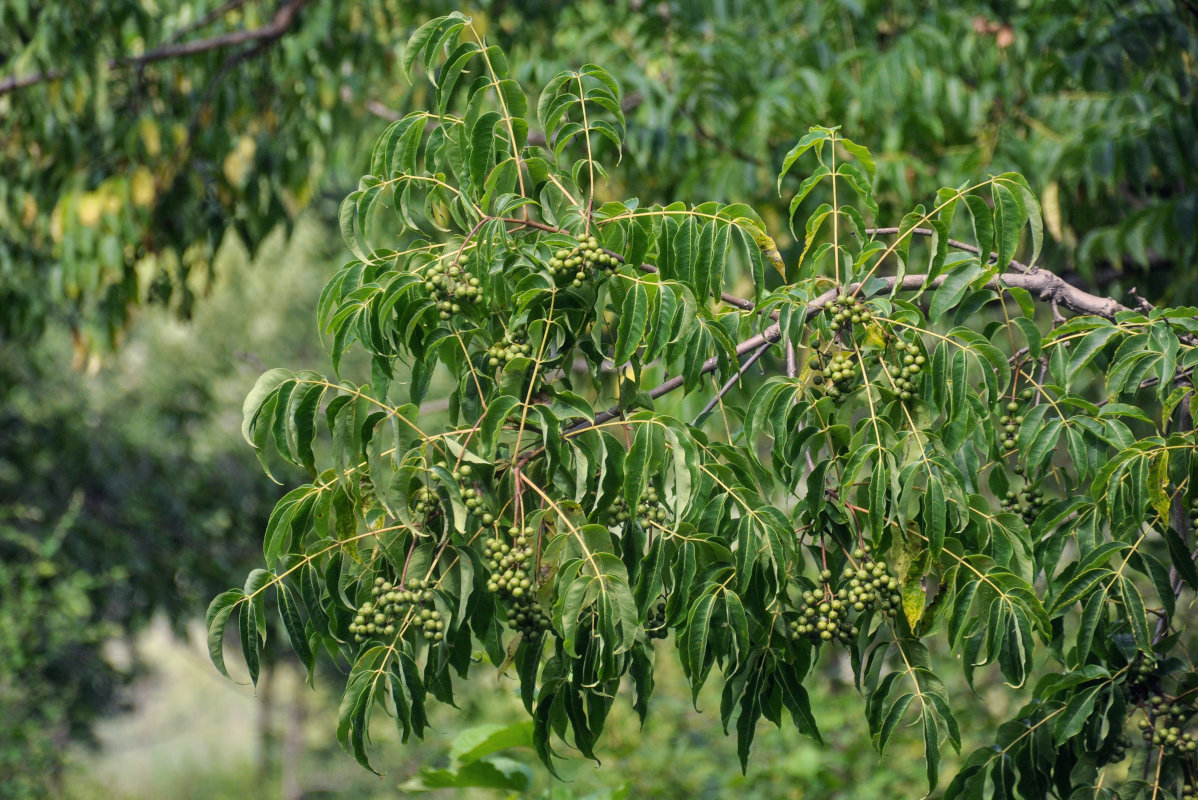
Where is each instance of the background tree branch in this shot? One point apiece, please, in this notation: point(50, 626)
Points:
point(283, 19)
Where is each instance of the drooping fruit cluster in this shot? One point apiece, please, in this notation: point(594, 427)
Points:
point(845, 310)
point(1142, 676)
point(425, 500)
point(906, 373)
point(838, 376)
point(824, 616)
point(513, 345)
point(472, 498)
point(1164, 727)
point(574, 264)
point(650, 511)
point(390, 603)
point(512, 581)
point(1027, 502)
point(1117, 750)
point(1194, 515)
point(655, 624)
point(1012, 419)
point(452, 286)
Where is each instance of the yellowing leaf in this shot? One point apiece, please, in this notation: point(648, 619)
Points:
point(238, 162)
point(89, 209)
point(1050, 206)
point(141, 187)
point(151, 136)
point(914, 598)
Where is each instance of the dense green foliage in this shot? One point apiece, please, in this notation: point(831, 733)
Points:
point(134, 136)
point(48, 629)
point(125, 493)
point(126, 160)
point(933, 461)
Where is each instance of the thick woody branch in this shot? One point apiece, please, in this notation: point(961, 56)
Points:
point(1041, 283)
point(283, 19)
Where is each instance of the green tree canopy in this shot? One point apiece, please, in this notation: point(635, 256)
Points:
point(937, 457)
point(134, 136)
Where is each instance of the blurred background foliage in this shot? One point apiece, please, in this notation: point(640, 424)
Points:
point(169, 177)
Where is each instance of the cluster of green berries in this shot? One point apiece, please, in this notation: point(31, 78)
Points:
point(1027, 502)
point(576, 263)
point(510, 579)
point(1188, 791)
point(1117, 750)
point(427, 501)
point(1164, 727)
point(650, 511)
point(1012, 419)
point(513, 345)
point(390, 602)
point(1194, 514)
point(472, 498)
point(824, 616)
point(906, 373)
point(845, 310)
point(1142, 671)
point(655, 625)
point(451, 286)
point(838, 376)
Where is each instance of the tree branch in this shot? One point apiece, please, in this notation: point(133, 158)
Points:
point(727, 387)
point(283, 19)
point(1046, 285)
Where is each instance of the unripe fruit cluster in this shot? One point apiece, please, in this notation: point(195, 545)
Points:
point(510, 579)
point(1142, 671)
point(472, 498)
point(1012, 419)
point(576, 263)
point(1027, 502)
point(844, 310)
point(391, 602)
point(906, 373)
point(451, 286)
point(1118, 750)
point(1165, 728)
point(655, 624)
point(650, 511)
point(838, 376)
point(824, 616)
point(427, 501)
point(513, 345)
point(1194, 514)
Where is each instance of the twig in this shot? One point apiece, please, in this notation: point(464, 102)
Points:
point(727, 387)
point(1141, 303)
point(283, 19)
point(1057, 318)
